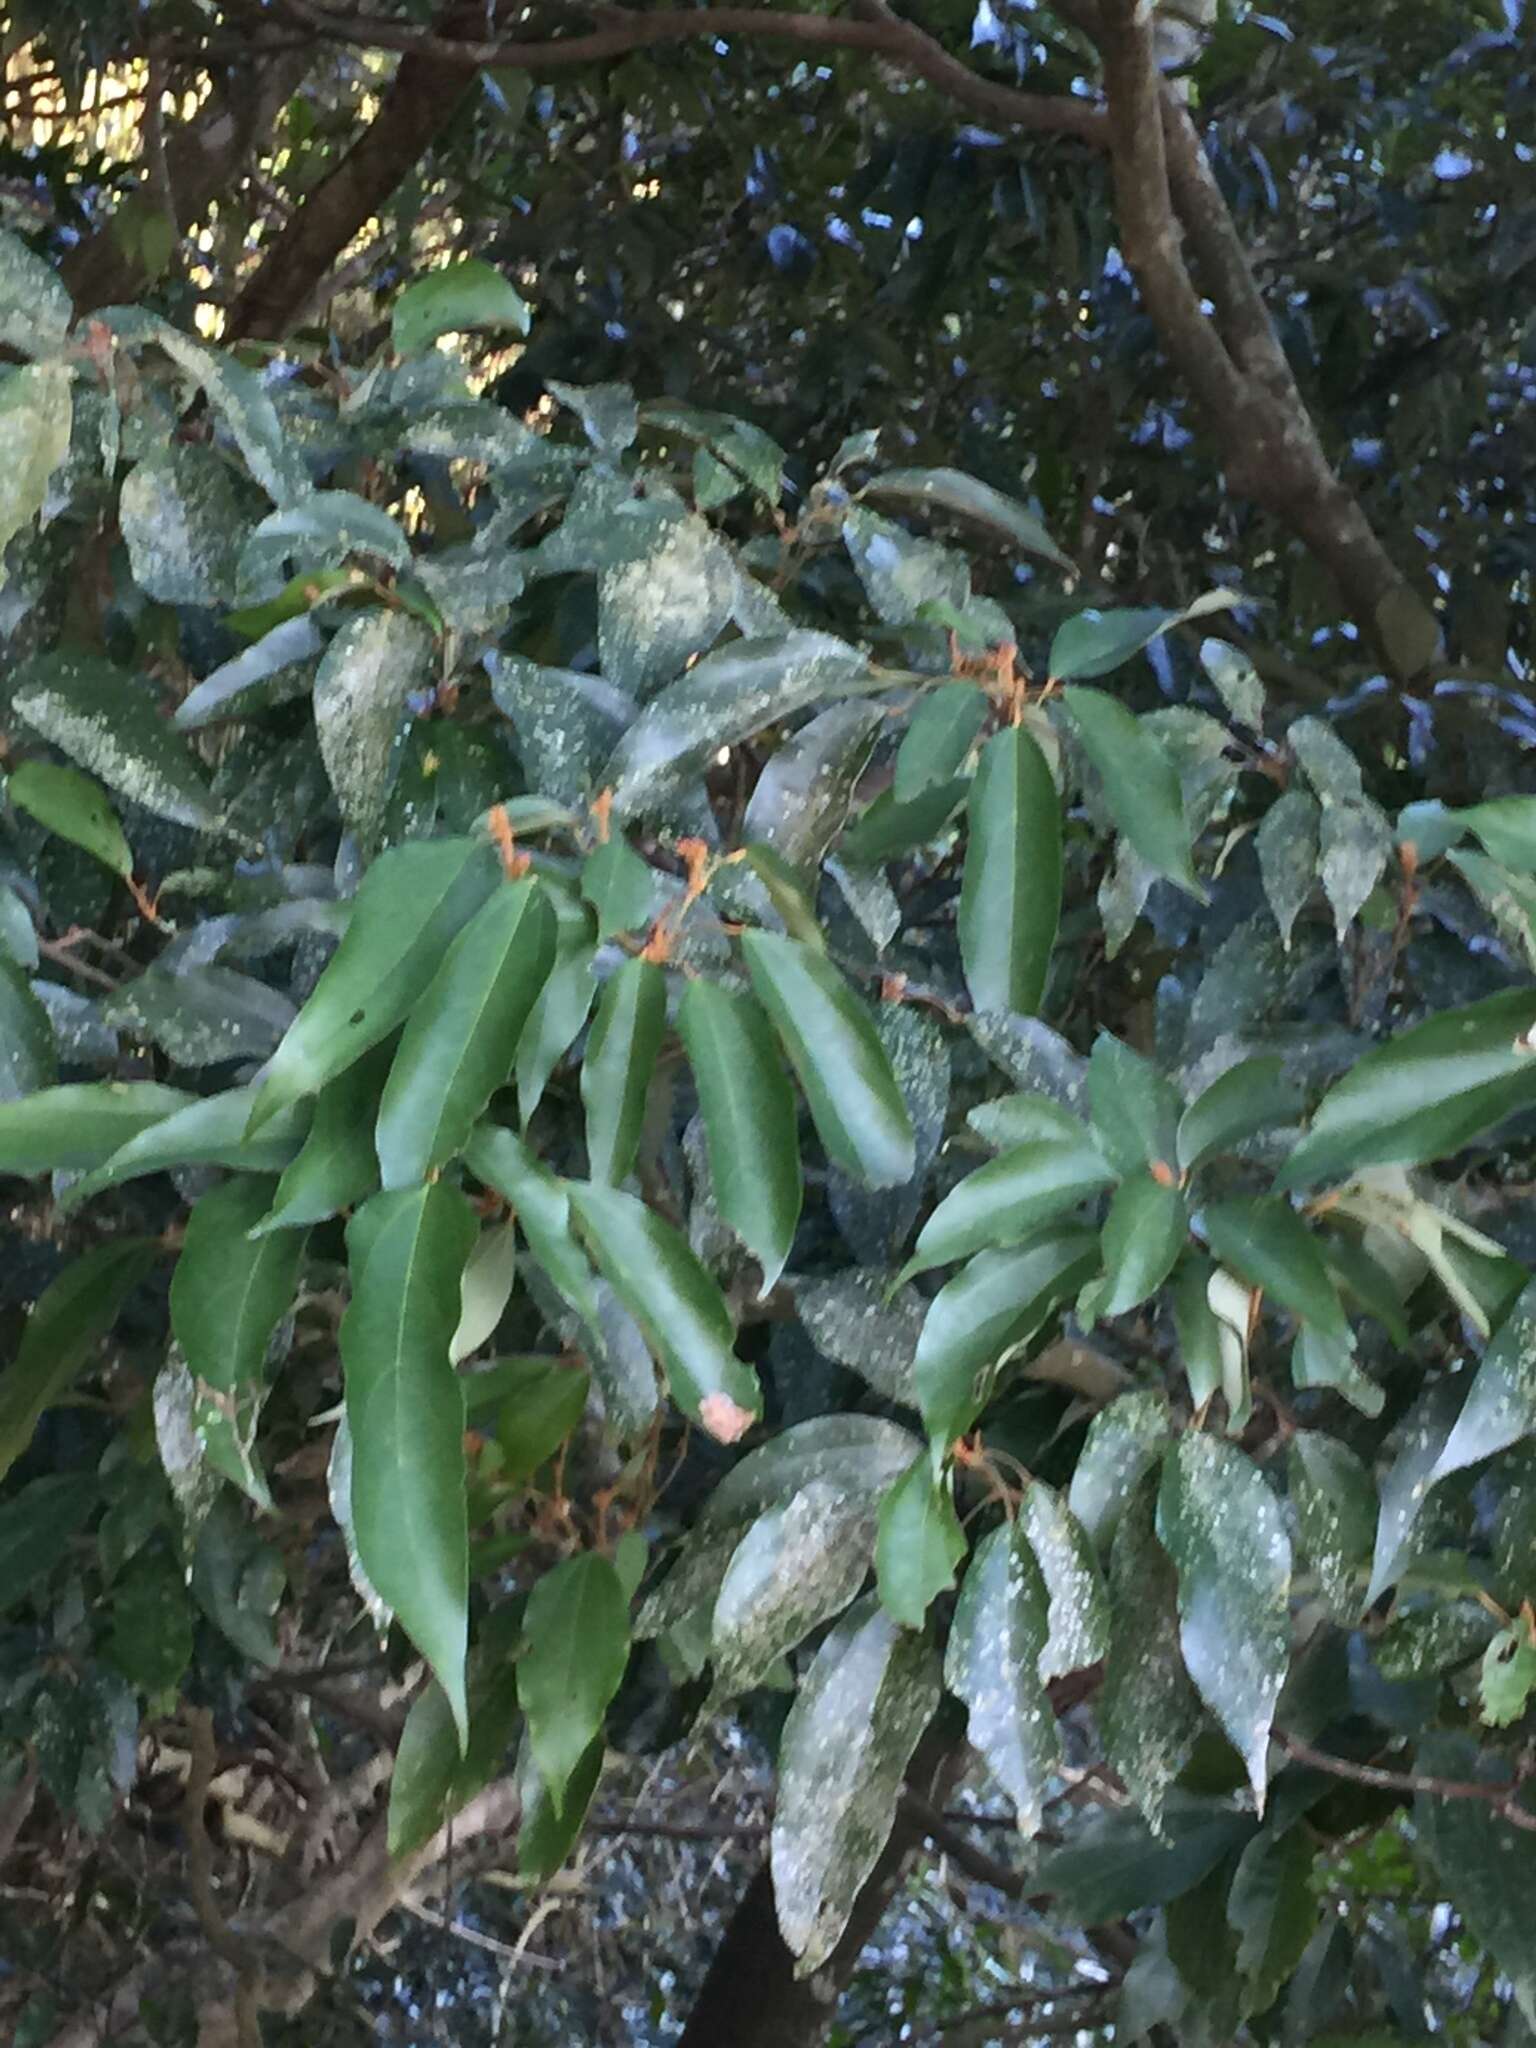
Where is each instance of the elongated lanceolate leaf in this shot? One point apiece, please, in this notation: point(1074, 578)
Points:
point(80, 1125)
point(1252, 1096)
point(1141, 784)
point(992, 1663)
point(1224, 1530)
point(861, 1709)
point(1125, 1440)
point(75, 807)
point(463, 295)
point(619, 1062)
point(1148, 1709)
point(405, 1411)
point(835, 1051)
point(750, 1120)
point(460, 1038)
point(1010, 900)
point(1078, 1621)
point(1501, 1404)
point(1136, 1109)
point(952, 490)
point(575, 1647)
point(920, 1544)
point(413, 902)
point(67, 1322)
point(209, 1131)
point(1143, 1235)
point(797, 1566)
point(561, 1006)
point(676, 1304)
point(542, 1207)
point(802, 796)
point(1009, 1197)
point(1264, 1240)
point(337, 1166)
point(106, 721)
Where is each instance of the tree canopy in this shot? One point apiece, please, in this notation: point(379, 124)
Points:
point(767, 1023)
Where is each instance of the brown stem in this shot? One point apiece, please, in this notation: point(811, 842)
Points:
point(1504, 1799)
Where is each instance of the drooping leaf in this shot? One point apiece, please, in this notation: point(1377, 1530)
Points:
point(1224, 1531)
point(920, 1544)
point(36, 1525)
point(1236, 679)
point(363, 688)
point(1117, 1864)
point(1501, 1403)
point(457, 1046)
point(676, 1304)
point(413, 902)
point(1010, 899)
point(1148, 1710)
point(68, 1321)
point(542, 1205)
point(837, 1055)
point(1252, 1096)
point(1141, 784)
point(858, 1716)
point(73, 806)
point(951, 490)
point(105, 720)
point(992, 1663)
point(405, 1411)
point(485, 1288)
point(1354, 842)
point(618, 1065)
point(549, 1828)
point(463, 295)
point(796, 1567)
point(78, 1126)
point(750, 1120)
point(992, 1304)
point(1010, 1197)
point(575, 1648)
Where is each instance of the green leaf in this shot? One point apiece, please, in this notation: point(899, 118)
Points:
point(405, 1409)
point(1148, 1710)
point(620, 886)
point(1010, 1197)
point(901, 574)
point(79, 1126)
point(860, 1711)
point(797, 1566)
point(994, 1303)
point(1508, 1675)
point(1206, 1344)
point(801, 798)
point(1267, 1244)
point(1224, 1530)
point(887, 828)
point(27, 1053)
point(105, 720)
point(1093, 642)
point(542, 1206)
point(74, 807)
point(543, 1405)
point(951, 490)
point(1287, 845)
point(36, 1526)
point(1335, 1502)
point(1252, 1096)
point(1124, 1441)
point(18, 934)
point(200, 1016)
point(618, 1065)
point(1354, 842)
point(1236, 679)
point(484, 1290)
point(750, 1120)
point(676, 1304)
point(1141, 784)
point(413, 902)
point(575, 1648)
point(991, 1662)
point(337, 1166)
point(35, 309)
point(1507, 827)
point(68, 1321)
point(457, 299)
point(607, 411)
point(1425, 1093)
point(561, 1006)
point(208, 1131)
point(666, 605)
point(1143, 1235)
point(427, 1760)
point(920, 1544)
point(937, 742)
point(1021, 1119)
point(152, 1639)
point(1420, 1438)
point(1077, 1632)
point(1136, 1110)
point(1010, 899)
point(1501, 1403)
point(1118, 1865)
point(363, 687)
point(183, 521)
point(835, 1051)
point(36, 412)
point(1272, 1910)
point(726, 697)
point(744, 452)
point(1487, 1865)
point(456, 1049)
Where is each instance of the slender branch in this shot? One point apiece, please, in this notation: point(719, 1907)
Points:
point(225, 1944)
point(1504, 1799)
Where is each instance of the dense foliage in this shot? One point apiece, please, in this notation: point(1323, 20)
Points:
point(713, 1088)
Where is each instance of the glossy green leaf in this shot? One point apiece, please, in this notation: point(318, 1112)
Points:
point(81, 1125)
point(1147, 1709)
point(1335, 1502)
point(991, 1662)
point(952, 490)
point(1010, 899)
point(1224, 1530)
point(208, 1131)
point(549, 1828)
point(462, 296)
point(920, 1545)
point(1143, 1235)
point(28, 1059)
point(1013, 1120)
point(1418, 1442)
point(1501, 1402)
point(1425, 1093)
point(36, 1526)
point(620, 886)
point(1141, 784)
point(457, 1046)
point(201, 1017)
point(1264, 1241)
point(542, 1207)
point(619, 1062)
point(943, 729)
point(544, 1403)
point(68, 1321)
point(1136, 1109)
point(412, 904)
point(1252, 1096)
point(575, 1648)
point(1008, 1198)
point(797, 1566)
point(18, 934)
point(106, 721)
point(561, 1006)
point(676, 1304)
point(337, 1166)
point(75, 807)
point(750, 1120)
point(860, 1711)
point(1206, 1343)
point(405, 1409)
point(888, 827)
point(992, 1304)
point(1093, 642)
point(1118, 1865)
point(837, 1055)
point(1508, 1675)
point(1078, 1622)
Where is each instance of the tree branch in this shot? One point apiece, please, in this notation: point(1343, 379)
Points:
point(1503, 1799)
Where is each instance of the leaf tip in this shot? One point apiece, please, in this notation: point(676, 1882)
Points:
point(724, 1419)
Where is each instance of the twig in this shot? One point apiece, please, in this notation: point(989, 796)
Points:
point(60, 953)
point(218, 1935)
point(476, 1939)
point(1503, 1799)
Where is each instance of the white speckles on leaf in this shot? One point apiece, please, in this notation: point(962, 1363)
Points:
point(1354, 840)
point(796, 1567)
point(105, 720)
point(182, 522)
point(992, 1663)
point(35, 414)
point(34, 306)
point(900, 573)
point(362, 692)
point(1501, 1407)
point(669, 603)
point(855, 1319)
point(1147, 1708)
point(1287, 844)
point(1078, 1623)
